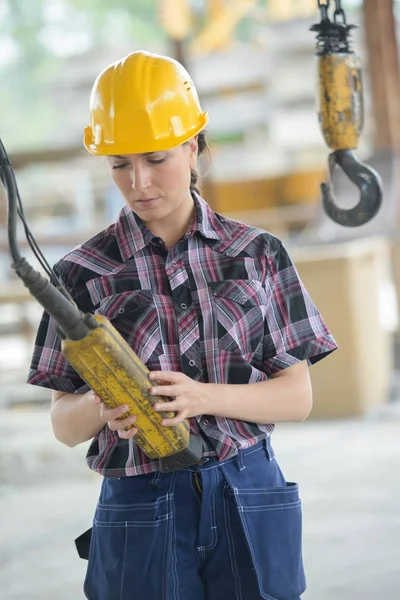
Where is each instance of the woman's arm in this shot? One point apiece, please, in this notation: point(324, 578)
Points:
point(75, 417)
point(286, 397)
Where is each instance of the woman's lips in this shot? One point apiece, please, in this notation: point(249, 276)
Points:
point(147, 201)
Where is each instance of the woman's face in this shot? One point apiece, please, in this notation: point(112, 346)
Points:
point(155, 185)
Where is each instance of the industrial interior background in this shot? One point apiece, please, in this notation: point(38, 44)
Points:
point(254, 66)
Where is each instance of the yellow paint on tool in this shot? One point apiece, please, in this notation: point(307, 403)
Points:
point(115, 373)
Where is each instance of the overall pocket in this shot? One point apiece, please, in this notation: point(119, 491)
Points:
point(129, 551)
point(272, 524)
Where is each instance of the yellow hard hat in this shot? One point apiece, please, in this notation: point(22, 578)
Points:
point(142, 103)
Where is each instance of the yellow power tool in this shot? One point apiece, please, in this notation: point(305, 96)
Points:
point(341, 115)
point(98, 352)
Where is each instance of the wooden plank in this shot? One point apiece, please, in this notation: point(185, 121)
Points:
point(20, 160)
point(300, 188)
point(274, 216)
point(69, 240)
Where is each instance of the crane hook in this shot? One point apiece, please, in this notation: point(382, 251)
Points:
point(365, 178)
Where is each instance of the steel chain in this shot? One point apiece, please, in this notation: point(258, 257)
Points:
point(339, 13)
point(323, 6)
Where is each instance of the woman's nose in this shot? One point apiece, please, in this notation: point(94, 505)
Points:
point(141, 178)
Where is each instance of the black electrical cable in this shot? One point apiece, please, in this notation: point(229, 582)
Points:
point(12, 208)
point(15, 208)
point(52, 295)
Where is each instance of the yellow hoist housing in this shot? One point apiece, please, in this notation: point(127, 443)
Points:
point(341, 105)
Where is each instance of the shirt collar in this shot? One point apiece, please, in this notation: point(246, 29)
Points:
point(133, 235)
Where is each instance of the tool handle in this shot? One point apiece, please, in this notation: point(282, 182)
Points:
point(116, 374)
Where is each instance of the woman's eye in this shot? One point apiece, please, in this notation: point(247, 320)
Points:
point(156, 161)
point(121, 166)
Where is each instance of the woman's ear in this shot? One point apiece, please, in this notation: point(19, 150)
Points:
point(193, 152)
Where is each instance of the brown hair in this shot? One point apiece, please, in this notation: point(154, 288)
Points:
point(202, 145)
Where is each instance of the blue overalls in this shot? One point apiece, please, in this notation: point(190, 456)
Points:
point(219, 531)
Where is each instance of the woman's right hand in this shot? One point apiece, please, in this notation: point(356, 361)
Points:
point(111, 416)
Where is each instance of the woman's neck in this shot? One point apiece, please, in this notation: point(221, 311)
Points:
point(174, 226)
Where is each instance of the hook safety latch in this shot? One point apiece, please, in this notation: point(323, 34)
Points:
point(365, 178)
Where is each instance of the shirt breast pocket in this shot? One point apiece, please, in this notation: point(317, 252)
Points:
point(134, 315)
point(239, 309)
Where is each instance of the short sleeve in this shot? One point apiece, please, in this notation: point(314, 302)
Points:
point(48, 367)
point(294, 328)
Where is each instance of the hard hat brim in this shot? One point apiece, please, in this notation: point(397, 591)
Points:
point(140, 146)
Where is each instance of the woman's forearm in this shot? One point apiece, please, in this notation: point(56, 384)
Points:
point(75, 418)
point(285, 398)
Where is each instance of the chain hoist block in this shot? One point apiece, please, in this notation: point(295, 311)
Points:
point(341, 115)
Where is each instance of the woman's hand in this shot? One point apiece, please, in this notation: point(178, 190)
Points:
point(111, 416)
point(190, 397)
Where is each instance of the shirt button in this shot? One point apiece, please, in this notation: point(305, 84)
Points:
point(184, 306)
point(174, 264)
point(121, 310)
point(205, 421)
point(244, 298)
point(191, 363)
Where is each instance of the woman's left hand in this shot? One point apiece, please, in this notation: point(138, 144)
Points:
point(190, 397)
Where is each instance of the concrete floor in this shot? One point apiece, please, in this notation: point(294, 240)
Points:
point(350, 484)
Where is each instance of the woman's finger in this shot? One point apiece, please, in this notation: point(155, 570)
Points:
point(179, 418)
point(167, 376)
point(127, 434)
point(117, 424)
point(110, 414)
point(96, 399)
point(173, 406)
point(165, 390)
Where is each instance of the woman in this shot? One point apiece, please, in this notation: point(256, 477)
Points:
point(216, 311)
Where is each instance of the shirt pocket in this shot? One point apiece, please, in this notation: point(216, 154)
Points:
point(134, 315)
point(239, 308)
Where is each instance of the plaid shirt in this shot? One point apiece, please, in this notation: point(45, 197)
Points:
point(224, 305)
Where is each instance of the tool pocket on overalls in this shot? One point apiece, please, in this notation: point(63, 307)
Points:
point(272, 523)
point(129, 549)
